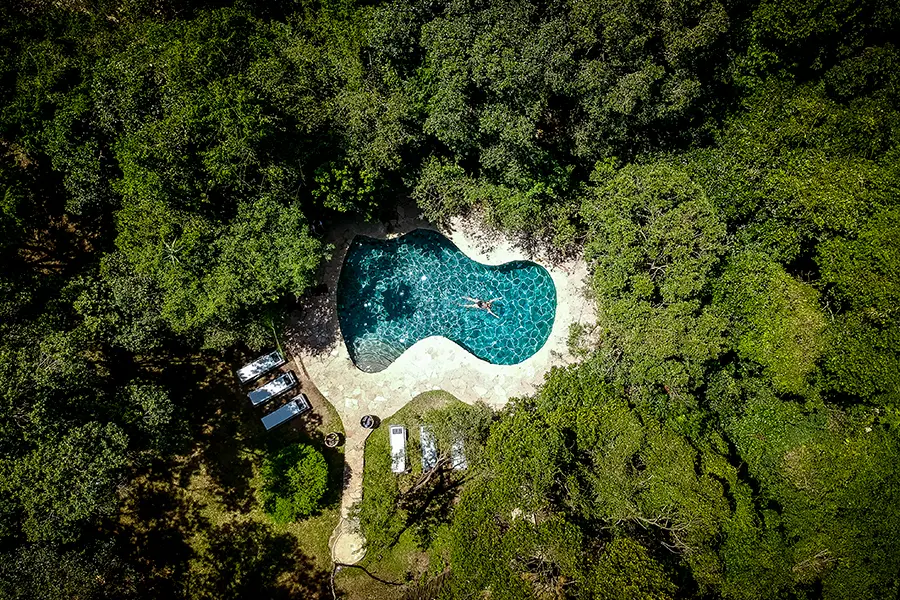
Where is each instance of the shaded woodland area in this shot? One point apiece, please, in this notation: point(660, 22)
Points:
point(730, 171)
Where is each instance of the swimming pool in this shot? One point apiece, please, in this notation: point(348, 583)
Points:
point(393, 293)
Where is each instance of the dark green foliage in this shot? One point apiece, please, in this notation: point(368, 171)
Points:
point(119, 307)
point(821, 469)
point(344, 189)
point(861, 360)
point(805, 38)
point(524, 95)
point(71, 482)
point(59, 574)
point(419, 501)
point(564, 472)
point(209, 170)
point(861, 269)
point(626, 572)
point(293, 483)
point(14, 184)
point(864, 269)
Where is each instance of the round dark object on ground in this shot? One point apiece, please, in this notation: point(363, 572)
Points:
point(333, 440)
point(369, 421)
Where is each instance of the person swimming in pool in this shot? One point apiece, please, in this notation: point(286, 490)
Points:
point(481, 304)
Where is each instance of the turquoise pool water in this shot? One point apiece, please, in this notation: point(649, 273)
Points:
point(393, 293)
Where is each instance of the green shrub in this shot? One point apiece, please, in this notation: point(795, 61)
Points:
point(294, 482)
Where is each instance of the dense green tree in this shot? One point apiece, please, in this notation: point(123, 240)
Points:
point(210, 210)
point(119, 307)
point(803, 38)
point(625, 571)
point(776, 320)
point(822, 472)
point(861, 360)
point(294, 481)
point(797, 168)
point(568, 468)
point(71, 483)
point(654, 240)
point(861, 271)
point(55, 573)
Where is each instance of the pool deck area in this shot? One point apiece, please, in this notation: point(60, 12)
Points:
point(434, 363)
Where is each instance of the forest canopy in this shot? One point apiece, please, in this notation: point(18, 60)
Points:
point(730, 171)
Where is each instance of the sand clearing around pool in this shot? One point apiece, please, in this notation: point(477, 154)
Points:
point(433, 363)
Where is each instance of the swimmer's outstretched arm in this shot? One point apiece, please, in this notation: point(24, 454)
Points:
point(490, 311)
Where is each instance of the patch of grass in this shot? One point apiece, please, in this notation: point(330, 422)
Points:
point(382, 520)
point(395, 550)
point(402, 563)
point(411, 416)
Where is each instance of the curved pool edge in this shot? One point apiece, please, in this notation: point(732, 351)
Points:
point(443, 241)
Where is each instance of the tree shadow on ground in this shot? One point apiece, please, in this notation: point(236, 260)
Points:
point(173, 515)
point(179, 554)
point(232, 437)
point(225, 434)
point(223, 429)
point(538, 248)
point(248, 560)
point(156, 528)
point(313, 327)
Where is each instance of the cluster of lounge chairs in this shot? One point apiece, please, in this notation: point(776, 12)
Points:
point(285, 382)
point(428, 442)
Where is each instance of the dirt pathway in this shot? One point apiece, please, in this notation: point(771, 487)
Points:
point(347, 543)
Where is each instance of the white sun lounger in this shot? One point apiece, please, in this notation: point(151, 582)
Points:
point(398, 448)
point(275, 387)
point(429, 448)
point(260, 366)
point(458, 456)
point(296, 407)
